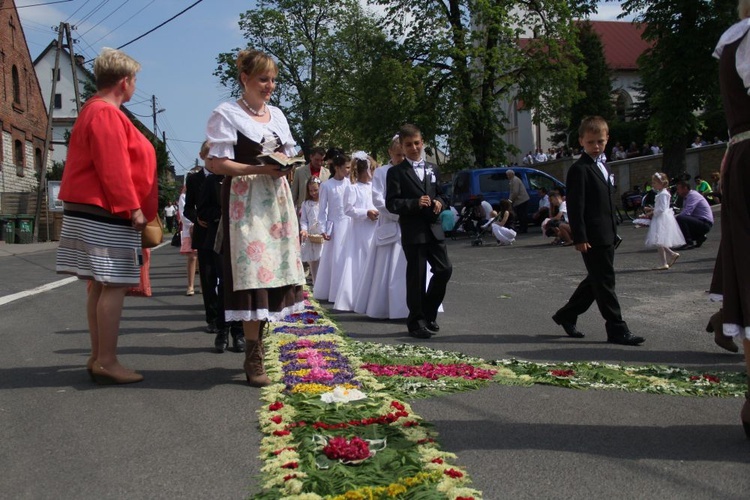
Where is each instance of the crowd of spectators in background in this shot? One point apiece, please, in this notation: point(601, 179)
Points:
point(618, 152)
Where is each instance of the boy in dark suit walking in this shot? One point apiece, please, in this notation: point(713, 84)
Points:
point(591, 215)
point(413, 192)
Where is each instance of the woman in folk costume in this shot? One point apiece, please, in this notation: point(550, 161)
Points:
point(263, 275)
point(732, 270)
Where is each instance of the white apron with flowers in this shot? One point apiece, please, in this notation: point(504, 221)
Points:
point(263, 230)
point(264, 233)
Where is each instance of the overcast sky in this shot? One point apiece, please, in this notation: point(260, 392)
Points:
point(177, 59)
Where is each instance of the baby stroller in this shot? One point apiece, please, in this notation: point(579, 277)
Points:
point(631, 202)
point(470, 218)
point(483, 229)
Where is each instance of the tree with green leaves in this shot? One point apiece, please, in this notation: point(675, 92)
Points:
point(479, 54)
point(340, 81)
point(594, 87)
point(678, 74)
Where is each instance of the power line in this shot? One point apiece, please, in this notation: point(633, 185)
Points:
point(159, 26)
point(125, 21)
point(184, 140)
point(35, 5)
point(76, 11)
point(106, 17)
point(93, 11)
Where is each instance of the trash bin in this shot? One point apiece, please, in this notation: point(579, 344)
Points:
point(25, 228)
point(8, 223)
point(57, 226)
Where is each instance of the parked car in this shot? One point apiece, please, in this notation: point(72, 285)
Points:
point(447, 189)
point(492, 185)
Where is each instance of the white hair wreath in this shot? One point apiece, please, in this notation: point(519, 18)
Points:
point(361, 155)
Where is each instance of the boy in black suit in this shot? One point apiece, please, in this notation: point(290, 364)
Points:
point(413, 192)
point(591, 215)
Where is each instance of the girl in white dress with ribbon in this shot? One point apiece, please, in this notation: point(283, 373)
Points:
point(664, 232)
point(382, 290)
point(358, 206)
point(311, 233)
point(335, 225)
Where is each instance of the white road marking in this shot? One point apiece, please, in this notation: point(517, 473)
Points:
point(34, 291)
point(50, 286)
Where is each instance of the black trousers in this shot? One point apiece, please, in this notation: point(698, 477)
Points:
point(423, 304)
point(522, 213)
point(598, 286)
point(693, 229)
point(210, 266)
point(170, 224)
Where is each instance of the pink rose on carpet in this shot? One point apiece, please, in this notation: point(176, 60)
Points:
point(264, 275)
point(236, 210)
point(239, 186)
point(255, 250)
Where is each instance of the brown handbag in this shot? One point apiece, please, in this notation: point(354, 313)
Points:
point(153, 234)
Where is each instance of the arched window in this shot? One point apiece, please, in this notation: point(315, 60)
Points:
point(16, 85)
point(18, 157)
point(38, 160)
point(623, 104)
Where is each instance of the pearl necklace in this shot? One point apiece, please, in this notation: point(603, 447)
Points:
point(253, 111)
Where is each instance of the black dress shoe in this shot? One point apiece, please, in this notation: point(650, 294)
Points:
point(699, 242)
point(626, 339)
point(570, 328)
point(238, 342)
point(433, 326)
point(221, 342)
point(686, 246)
point(572, 331)
point(420, 333)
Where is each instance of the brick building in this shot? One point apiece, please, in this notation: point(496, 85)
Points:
point(23, 116)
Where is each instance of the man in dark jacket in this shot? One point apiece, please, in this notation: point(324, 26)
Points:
point(203, 205)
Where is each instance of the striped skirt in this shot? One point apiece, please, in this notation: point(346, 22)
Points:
point(99, 248)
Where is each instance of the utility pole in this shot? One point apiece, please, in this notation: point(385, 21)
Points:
point(155, 112)
point(63, 29)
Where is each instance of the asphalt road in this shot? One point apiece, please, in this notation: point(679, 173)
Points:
point(189, 430)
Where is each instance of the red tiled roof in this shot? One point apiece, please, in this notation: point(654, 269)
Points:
point(622, 43)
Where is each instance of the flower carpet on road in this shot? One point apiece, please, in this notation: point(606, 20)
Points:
point(336, 423)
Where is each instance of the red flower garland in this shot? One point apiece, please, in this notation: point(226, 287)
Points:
point(388, 418)
point(353, 449)
point(431, 371)
point(711, 378)
point(455, 474)
point(562, 373)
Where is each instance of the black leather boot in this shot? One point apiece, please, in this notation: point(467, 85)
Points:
point(221, 342)
point(238, 340)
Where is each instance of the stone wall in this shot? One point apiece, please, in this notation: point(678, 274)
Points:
point(636, 171)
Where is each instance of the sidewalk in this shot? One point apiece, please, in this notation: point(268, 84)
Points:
point(7, 249)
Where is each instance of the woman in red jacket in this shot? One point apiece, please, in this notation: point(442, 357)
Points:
point(110, 192)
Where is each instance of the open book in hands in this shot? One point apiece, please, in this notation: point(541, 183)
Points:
point(285, 163)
